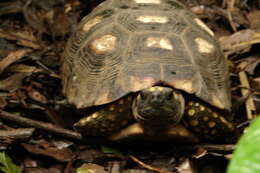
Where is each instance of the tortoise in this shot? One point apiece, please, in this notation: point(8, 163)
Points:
point(147, 69)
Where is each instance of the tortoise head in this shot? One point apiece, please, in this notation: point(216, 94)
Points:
point(158, 107)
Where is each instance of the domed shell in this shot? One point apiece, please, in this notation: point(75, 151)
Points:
point(123, 46)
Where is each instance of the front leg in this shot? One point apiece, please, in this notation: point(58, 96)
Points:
point(208, 123)
point(107, 120)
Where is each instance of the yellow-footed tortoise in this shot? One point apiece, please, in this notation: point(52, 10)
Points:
point(149, 69)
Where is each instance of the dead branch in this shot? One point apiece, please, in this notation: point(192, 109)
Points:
point(148, 166)
point(40, 125)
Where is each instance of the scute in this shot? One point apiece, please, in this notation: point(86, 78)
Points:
point(172, 22)
point(135, 62)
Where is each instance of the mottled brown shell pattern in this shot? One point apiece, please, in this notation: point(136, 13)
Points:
point(125, 46)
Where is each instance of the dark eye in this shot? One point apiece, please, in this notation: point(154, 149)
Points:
point(142, 95)
point(169, 96)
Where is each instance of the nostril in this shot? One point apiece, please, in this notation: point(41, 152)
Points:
point(169, 96)
point(156, 98)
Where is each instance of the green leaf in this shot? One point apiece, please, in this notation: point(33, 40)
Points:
point(7, 164)
point(246, 157)
point(109, 150)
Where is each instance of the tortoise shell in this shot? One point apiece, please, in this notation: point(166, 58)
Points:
point(122, 47)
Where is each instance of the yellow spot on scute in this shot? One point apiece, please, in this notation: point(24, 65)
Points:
point(204, 46)
point(148, 1)
point(159, 42)
point(104, 44)
point(152, 19)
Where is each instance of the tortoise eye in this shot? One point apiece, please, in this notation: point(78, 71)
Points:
point(142, 95)
point(169, 96)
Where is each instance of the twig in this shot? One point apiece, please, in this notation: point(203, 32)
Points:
point(17, 134)
point(40, 125)
point(230, 8)
point(249, 102)
point(148, 166)
point(8, 137)
point(217, 147)
point(13, 57)
point(21, 40)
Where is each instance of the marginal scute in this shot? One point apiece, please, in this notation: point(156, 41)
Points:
point(153, 19)
point(204, 26)
point(137, 83)
point(217, 102)
point(104, 44)
point(87, 26)
point(159, 42)
point(148, 1)
point(204, 46)
point(103, 98)
point(185, 85)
